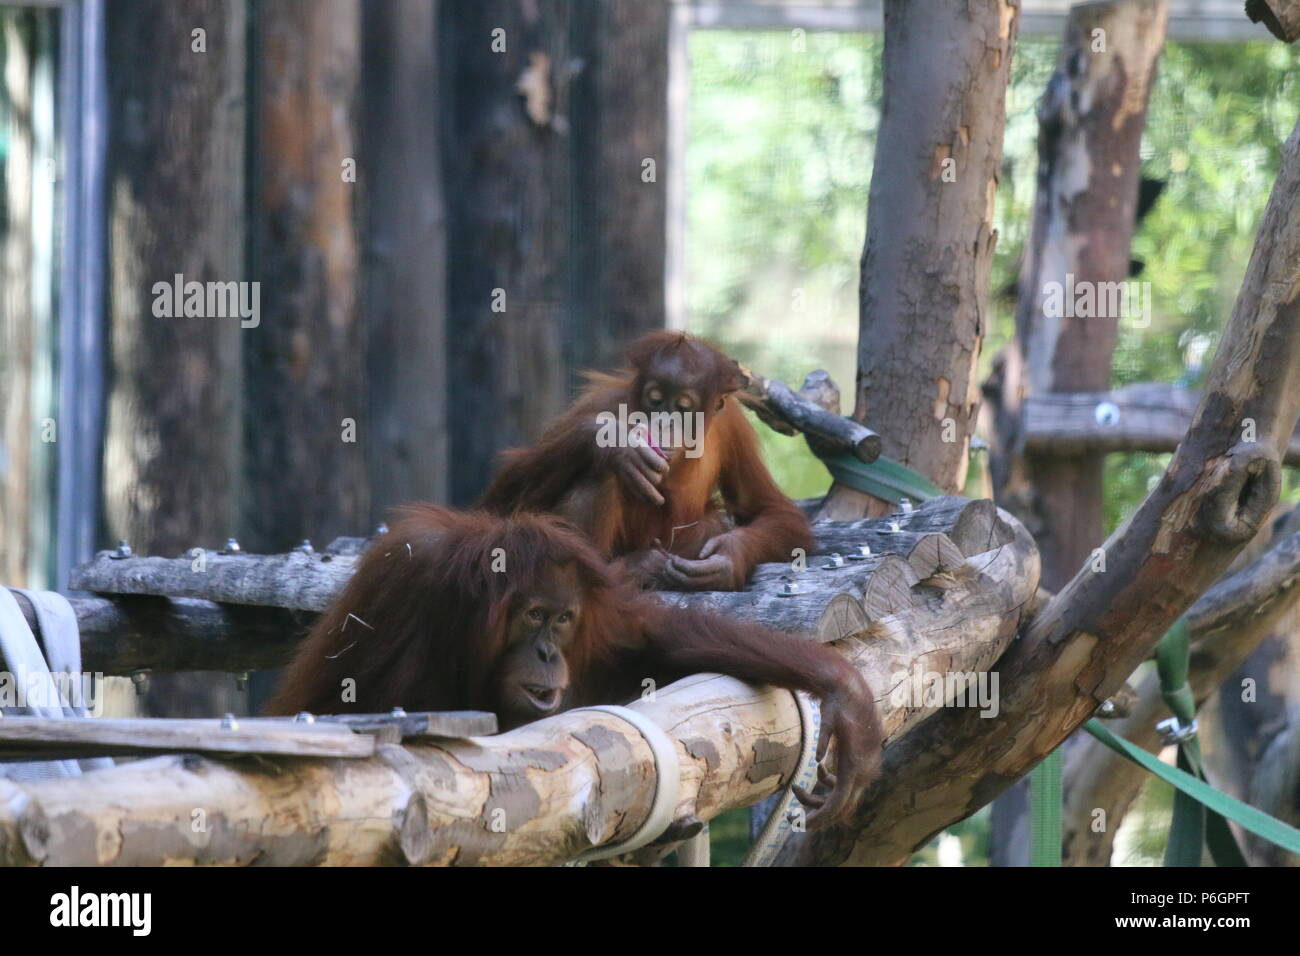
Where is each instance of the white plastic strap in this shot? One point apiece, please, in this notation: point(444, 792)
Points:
point(667, 783)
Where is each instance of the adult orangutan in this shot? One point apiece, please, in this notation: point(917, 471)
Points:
point(676, 514)
point(521, 616)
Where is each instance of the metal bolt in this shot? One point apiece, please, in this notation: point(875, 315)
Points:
point(789, 587)
point(864, 552)
point(228, 722)
point(1106, 413)
point(232, 546)
point(123, 551)
point(304, 717)
point(382, 529)
point(836, 561)
point(1107, 707)
point(140, 680)
point(905, 505)
point(398, 712)
point(895, 527)
point(1173, 732)
point(305, 547)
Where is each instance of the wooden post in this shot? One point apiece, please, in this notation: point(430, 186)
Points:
point(176, 187)
point(405, 299)
point(307, 421)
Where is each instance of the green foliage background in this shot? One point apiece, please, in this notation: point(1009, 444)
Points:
point(779, 170)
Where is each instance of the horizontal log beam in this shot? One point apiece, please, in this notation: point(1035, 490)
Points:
point(247, 612)
point(1148, 417)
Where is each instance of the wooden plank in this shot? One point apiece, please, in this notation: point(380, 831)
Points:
point(37, 738)
point(448, 723)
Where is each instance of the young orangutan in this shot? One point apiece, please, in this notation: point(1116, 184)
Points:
point(674, 518)
point(520, 616)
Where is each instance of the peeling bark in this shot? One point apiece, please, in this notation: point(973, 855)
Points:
point(930, 236)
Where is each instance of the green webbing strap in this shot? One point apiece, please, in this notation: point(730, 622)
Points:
point(1256, 821)
point(884, 478)
point(1192, 827)
point(1045, 812)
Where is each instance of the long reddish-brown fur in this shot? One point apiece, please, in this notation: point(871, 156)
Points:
point(422, 625)
point(562, 473)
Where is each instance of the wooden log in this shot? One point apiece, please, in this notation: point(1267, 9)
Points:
point(1147, 417)
point(787, 412)
point(828, 605)
point(246, 612)
point(124, 635)
point(1282, 17)
point(296, 580)
point(972, 525)
point(541, 794)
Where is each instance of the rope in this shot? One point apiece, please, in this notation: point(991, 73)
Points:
point(667, 784)
point(779, 823)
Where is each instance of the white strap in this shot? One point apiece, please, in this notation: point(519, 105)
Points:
point(26, 667)
point(779, 824)
point(667, 784)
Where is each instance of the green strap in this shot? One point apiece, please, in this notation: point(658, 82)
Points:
point(1193, 826)
point(1256, 821)
point(883, 478)
point(1045, 812)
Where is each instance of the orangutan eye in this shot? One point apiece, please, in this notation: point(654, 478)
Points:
point(564, 618)
point(684, 404)
point(534, 615)
point(655, 396)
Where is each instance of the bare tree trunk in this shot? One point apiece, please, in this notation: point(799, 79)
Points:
point(406, 247)
point(172, 458)
point(620, 139)
point(1086, 641)
point(304, 363)
point(930, 236)
point(508, 72)
point(555, 236)
point(1090, 126)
